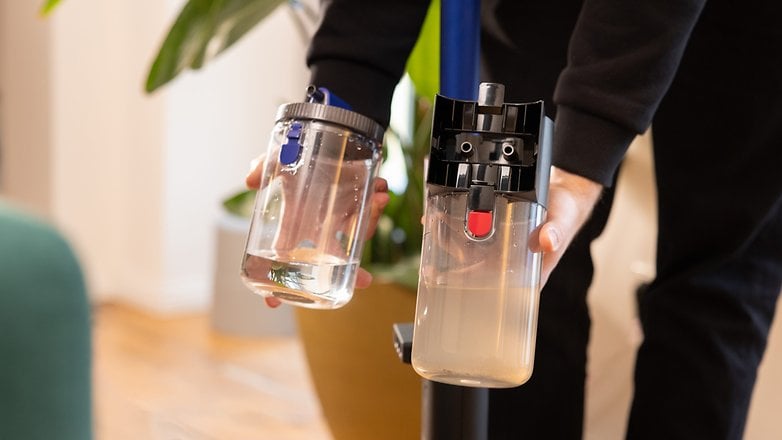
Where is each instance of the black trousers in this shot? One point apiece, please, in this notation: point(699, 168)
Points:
point(718, 161)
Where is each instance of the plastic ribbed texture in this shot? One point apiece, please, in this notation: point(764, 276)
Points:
point(319, 112)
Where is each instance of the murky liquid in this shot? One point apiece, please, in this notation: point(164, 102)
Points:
point(482, 337)
point(302, 277)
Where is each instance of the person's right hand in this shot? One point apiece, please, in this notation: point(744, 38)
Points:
point(571, 199)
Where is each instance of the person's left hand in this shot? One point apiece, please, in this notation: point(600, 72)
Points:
point(571, 199)
point(378, 202)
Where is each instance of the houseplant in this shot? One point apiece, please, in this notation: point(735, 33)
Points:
point(365, 391)
point(205, 28)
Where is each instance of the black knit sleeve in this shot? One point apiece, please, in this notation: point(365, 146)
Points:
point(622, 58)
point(360, 49)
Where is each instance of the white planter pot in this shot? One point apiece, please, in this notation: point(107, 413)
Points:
point(235, 309)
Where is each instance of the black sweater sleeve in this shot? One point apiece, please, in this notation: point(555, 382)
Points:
point(360, 50)
point(622, 58)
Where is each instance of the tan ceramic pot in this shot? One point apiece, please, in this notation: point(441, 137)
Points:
point(365, 391)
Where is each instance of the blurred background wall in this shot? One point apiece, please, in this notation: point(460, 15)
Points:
point(134, 180)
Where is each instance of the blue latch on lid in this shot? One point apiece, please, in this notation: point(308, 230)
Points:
point(322, 95)
point(290, 151)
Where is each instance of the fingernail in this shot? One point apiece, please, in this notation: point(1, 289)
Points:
point(553, 236)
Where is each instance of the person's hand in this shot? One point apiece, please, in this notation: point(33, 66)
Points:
point(378, 202)
point(253, 178)
point(571, 199)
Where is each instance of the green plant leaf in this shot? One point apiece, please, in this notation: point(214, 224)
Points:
point(241, 203)
point(204, 29)
point(423, 66)
point(47, 7)
point(404, 272)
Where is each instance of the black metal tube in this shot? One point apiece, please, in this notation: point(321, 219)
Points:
point(452, 412)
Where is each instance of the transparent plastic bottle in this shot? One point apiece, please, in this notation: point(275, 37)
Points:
point(311, 214)
point(476, 315)
point(479, 282)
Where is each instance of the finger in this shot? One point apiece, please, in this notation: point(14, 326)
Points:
point(380, 184)
point(253, 178)
point(551, 244)
point(553, 237)
point(571, 199)
point(377, 203)
point(547, 238)
point(272, 301)
point(363, 279)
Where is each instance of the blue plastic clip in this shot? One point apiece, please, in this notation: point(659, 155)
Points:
point(322, 95)
point(334, 100)
point(290, 151)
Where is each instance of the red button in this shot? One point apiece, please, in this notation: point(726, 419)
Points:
point(479, 223)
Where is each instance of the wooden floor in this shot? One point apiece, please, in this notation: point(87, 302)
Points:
point(172, 379)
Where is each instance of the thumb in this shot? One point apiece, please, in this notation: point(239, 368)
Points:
point(253, 178)
point(571, 199)
point(550, 237)
point(377, 203)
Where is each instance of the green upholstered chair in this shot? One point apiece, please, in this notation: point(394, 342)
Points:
point(45, 349)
